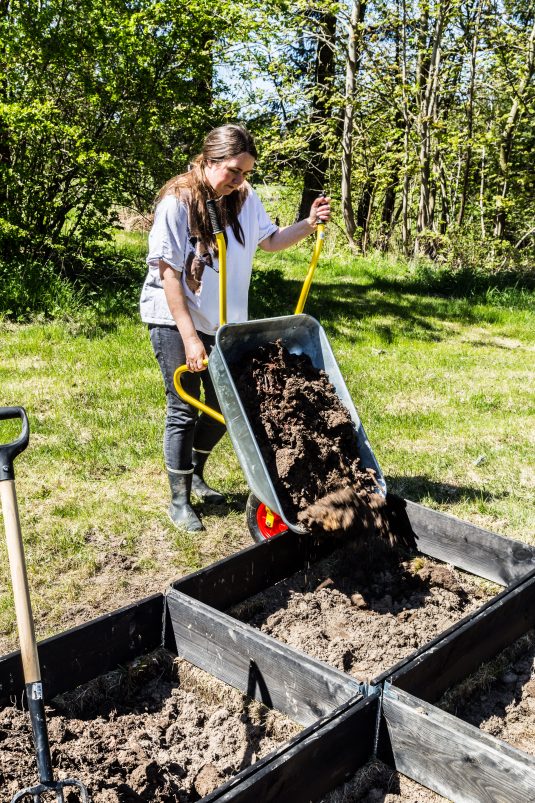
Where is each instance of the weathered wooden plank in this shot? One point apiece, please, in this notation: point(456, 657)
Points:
point(316, 761)
point(452, 657)
point(253, 569)
point(255, 663)
point(453, 758)
point(481, 552)
point(84, 652)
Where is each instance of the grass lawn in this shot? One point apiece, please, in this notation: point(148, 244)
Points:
point(444, 386)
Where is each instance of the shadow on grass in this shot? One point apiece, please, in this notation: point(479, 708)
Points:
point(234, 502)
point(418, 488)
point(336, 305)
point(401, 313)
point(462, 283)
point(407, 306)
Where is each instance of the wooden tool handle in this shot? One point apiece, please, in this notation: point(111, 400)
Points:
point(19, 581)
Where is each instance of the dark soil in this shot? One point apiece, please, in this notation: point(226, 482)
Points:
point(161, 730)
point(158, 731)
point(364, 608)
point(309, 443)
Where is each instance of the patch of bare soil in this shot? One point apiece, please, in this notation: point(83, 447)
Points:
point(162, 730)
point(158, 731)
point(308, 441)
point(364, 608)
point(499, 698)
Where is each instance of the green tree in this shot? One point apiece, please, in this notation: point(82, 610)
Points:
point(101, 102)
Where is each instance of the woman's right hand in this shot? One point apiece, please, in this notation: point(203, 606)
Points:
point(195, 353)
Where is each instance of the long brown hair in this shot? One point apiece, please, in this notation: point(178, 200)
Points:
point(220, 144)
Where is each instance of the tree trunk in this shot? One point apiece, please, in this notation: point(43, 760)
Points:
point(429, 72)
point(405, 233)
point(389, 200)
point(5, 150)
point(470, 115)
point(444, 199)
point(366, 231)
point(482, 196)
point(363, 212)
point(318, 162)
point(506, 142)
point(353, 60)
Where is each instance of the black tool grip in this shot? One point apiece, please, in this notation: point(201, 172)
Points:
point(9, 451)
point(322, 194)
point(214, 217)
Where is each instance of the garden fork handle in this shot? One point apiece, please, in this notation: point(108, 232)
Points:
point(17, 563)
point(21, 593)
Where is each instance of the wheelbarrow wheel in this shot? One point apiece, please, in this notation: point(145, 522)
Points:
point(263, 523)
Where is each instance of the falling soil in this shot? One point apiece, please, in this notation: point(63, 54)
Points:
point(365, 607)
point(158, 731)
point(499, 698)
point(308, 441)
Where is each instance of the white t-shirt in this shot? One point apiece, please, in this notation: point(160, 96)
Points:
point(169, 241)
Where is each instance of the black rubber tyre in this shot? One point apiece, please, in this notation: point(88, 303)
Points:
point(256, 513)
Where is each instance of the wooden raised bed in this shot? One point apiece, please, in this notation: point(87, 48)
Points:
point(89, 650)
point(452, 757)
point(341, 718)
point(457, 759)
point(340, 721)
point(431, 747)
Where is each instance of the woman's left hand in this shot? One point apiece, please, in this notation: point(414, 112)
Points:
point(320, 211)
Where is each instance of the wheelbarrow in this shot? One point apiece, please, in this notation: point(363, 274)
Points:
point(300, 334)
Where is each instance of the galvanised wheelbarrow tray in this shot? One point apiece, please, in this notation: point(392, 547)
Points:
point(300, 334)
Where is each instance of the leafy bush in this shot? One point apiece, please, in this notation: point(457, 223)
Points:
point(102, 278)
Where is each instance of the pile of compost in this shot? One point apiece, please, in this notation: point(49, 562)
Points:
point(309, 443)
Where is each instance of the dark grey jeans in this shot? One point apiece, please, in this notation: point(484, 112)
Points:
point(185, 428)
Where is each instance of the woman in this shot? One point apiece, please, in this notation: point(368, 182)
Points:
point(180, 297)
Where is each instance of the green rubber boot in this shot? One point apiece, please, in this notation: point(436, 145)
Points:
point(180, 511)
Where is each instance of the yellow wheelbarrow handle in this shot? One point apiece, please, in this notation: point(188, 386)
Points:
point(222, 251)
point(320, 237)
point(177, 381)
